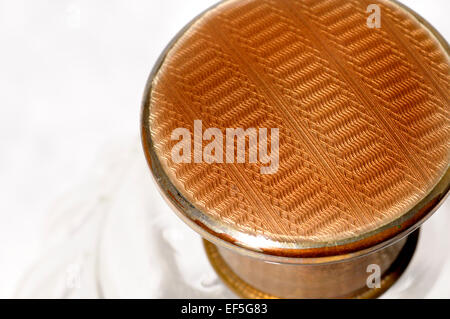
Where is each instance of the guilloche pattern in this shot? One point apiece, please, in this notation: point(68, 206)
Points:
point(363, 114)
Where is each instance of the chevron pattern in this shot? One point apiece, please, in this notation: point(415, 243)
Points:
point(363, 114)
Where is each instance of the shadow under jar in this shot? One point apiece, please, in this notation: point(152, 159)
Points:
point(304, 144)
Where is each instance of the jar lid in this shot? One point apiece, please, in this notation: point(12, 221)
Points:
point(301, 128)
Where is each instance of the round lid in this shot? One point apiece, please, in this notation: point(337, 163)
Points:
point(301, 128)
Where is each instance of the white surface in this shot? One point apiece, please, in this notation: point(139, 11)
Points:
point(76, 196)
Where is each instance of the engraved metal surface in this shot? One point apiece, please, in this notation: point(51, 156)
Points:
point(363, 116)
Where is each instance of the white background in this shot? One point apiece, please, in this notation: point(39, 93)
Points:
point(72, 74)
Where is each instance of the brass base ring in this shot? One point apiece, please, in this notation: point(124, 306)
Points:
point(245, 290)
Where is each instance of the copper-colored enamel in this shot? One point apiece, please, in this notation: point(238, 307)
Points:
point(364, 115)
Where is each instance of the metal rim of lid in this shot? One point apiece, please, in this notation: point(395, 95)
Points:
point(274, 251)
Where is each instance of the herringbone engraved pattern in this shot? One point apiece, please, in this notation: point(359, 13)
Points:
point(363, 114)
